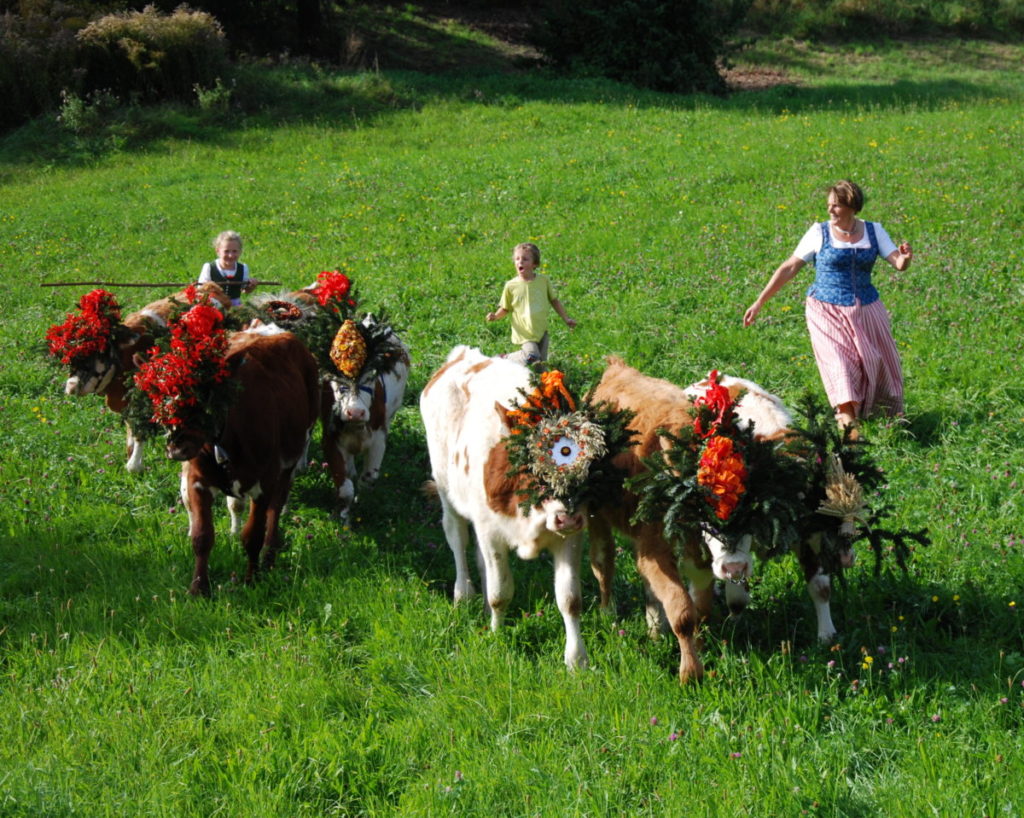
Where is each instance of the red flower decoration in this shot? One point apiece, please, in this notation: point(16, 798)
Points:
point(718, 400)
point(180, 379)
point(88, 332)
point(331, 285)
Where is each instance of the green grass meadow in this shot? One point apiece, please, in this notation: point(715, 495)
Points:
point(346, 683)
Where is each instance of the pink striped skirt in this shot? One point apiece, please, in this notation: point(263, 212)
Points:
point(856, 355)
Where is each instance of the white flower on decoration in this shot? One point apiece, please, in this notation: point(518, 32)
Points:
point(565, 451)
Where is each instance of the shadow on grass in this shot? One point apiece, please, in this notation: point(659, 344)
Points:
point(268, 97)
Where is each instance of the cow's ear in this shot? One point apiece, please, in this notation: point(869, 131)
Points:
point(503, 415)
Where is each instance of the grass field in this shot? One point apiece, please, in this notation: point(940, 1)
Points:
point(347, 683)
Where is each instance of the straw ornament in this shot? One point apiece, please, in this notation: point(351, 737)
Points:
point(348, 351)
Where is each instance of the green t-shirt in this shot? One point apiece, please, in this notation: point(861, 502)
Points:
point(528, 304)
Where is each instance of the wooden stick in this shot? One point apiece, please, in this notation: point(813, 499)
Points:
point(136, 284)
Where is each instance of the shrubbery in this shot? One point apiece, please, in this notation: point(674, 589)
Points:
point(667, 45)
point(152, 56)
point(55, 54)
point(868, 19)
point(36, 62)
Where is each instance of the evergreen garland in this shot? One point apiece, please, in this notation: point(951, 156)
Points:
point(563, 449)
point(670, 490)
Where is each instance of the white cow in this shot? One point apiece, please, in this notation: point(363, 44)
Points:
point(356, 414)
point(464, 409)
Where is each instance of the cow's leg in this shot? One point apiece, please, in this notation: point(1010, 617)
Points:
point(340, 464)
point(254, 535)
point(375, 448)
point(236, 508)
point(271, 522)
point(701, 582)
point(499, 585)
point(456, 532)
point(199, 502)
point(134, 447)
point(819, 587)
point(569, 597)
point(657, 564)
point(602, 561)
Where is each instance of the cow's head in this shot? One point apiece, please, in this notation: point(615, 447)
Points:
point(353, 397)
point(89, 342)
point(91, 375)
point(561, 449)
point(730, 562)
point(185, 443)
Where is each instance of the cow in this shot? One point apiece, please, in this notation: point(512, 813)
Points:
point(465, 408)
point(657, 404)
point(356, 413)
point(263, 441)
point(664, 405)
point(109, 374)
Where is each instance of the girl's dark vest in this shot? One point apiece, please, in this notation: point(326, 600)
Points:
point(232, 286)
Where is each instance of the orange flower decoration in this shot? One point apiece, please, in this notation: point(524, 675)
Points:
point(723, 472)
point(549, 395)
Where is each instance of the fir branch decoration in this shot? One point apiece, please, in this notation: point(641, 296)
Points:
point(563, 448)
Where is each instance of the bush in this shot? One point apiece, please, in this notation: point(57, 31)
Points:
point(148, 56)
point(667, 45)
point(36, 62)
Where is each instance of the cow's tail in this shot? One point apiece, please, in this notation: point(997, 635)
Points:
point(430, 490)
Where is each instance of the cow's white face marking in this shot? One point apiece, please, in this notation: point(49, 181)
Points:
point(733, 565)
point(353, 399)
point(87, 381)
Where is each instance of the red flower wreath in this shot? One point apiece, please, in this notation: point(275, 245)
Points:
point(180, 379)
point(721, 470)
point(89, 331)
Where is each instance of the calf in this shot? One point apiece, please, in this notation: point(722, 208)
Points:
point(706, 560)
point(356, 413)
point(108, 374)
point(263, 440)
point(465, 409)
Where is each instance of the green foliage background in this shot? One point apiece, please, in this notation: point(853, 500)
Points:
point(347, 683)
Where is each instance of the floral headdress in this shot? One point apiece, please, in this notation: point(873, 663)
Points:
point(563, 446)
point(716, 477)
point(185, 380)
point(92, 330)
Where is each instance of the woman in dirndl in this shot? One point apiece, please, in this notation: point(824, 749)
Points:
point(849, 325)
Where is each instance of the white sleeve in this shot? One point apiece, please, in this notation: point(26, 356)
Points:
point(204, 274)
point(810, 244)
point(245, 272)
point(886, 245)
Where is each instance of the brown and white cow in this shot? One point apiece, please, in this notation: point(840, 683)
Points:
point(356, 414)
point(263, 442)
point(464, 408)
point(109, 375)
point(664, 405)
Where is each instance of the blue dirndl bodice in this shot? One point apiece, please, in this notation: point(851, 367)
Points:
point(843, 275)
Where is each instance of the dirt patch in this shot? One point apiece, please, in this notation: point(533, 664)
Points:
point(739, 79)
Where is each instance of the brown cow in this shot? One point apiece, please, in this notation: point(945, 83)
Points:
point(657, 404)
point(263, 441)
